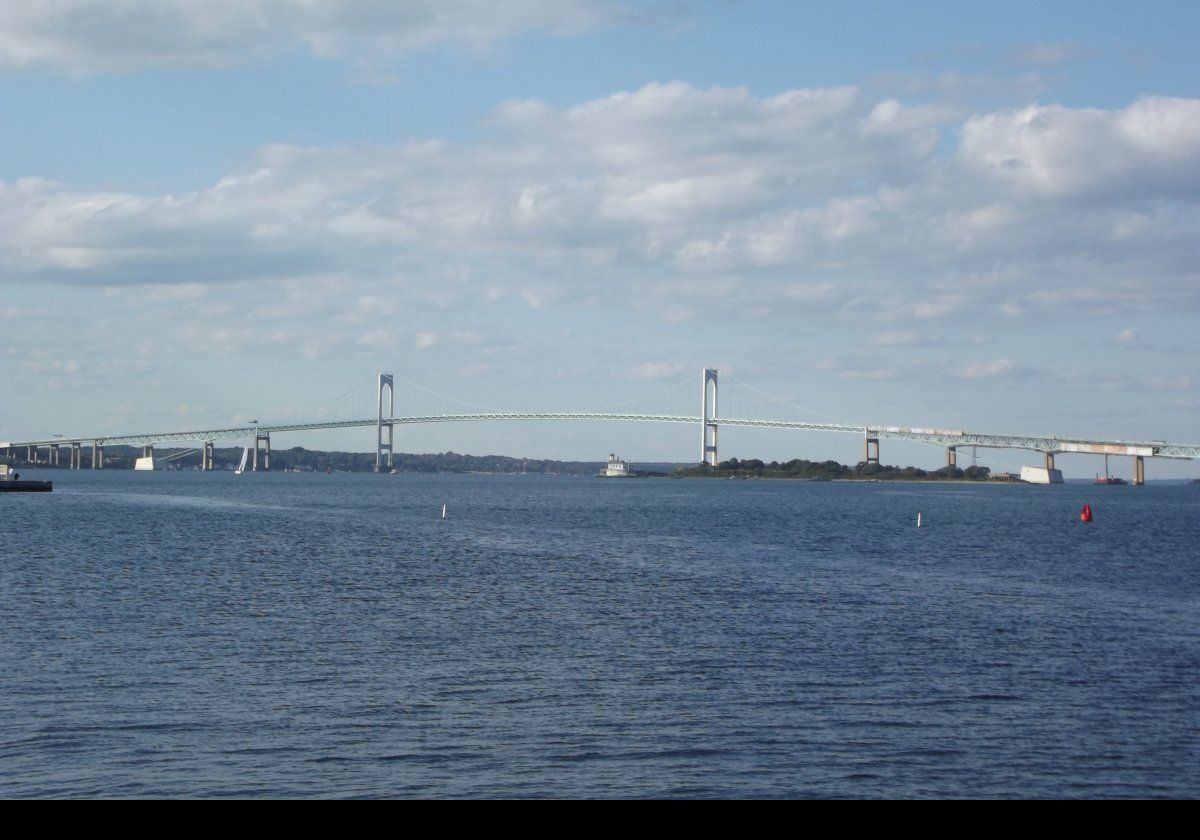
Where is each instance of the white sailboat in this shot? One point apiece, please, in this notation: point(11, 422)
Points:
point(241, 468)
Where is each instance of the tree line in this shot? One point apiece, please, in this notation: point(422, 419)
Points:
point(830, 470)
point(299, 458)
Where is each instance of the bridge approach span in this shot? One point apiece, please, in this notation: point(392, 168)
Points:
point(950, 438)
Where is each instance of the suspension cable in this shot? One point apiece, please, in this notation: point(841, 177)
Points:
point(785, 402)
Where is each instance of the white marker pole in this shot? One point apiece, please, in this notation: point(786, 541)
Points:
point(918, 519)
point(443, 511)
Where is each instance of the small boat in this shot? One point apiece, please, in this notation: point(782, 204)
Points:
point(1108, 479)
point(241, 468)
point(10, 482)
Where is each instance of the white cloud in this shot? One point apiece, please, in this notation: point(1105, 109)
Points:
point(377, 340)
point(89, 36)
point(1151, 147)
point(1047, 53)
point(899, 338)
point(1167, 382)
point(805, 202)
point(41, 364)
point(987, 370)
point(652, 371)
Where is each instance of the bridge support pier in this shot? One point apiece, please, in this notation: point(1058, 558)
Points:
point(265, 439)
point(30, 455)
point(206, 457)
point(54, 454)
point(97, 455)
point(1139, 471)
point(76, 456)
point(383, 443)
point(708, 417)
point(871, 450)
point(1048, 460)
point(951, 456)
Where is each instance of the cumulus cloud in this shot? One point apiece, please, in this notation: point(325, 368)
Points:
point(1150, 148)
point(680, 200)
point(88, 36)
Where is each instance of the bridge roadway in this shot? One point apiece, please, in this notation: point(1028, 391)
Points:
point(952, 439)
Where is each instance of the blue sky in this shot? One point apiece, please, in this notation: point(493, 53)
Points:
point(956, 215)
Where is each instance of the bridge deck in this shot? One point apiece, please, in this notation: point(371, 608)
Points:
point(952, 438)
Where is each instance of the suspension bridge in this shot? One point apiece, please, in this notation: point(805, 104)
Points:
point(348, 411)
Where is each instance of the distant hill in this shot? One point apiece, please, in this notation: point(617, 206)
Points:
point(299, 458)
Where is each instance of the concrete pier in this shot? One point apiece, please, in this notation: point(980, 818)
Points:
point(265, 439)
point(1139, 471)
point(97, 455)
point(951, 456)
point(871, 450)
point(146, 462)
point(206, 457)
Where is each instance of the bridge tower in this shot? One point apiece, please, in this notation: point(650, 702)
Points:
point(382, 445)
point(708, 417)
point(870, 449)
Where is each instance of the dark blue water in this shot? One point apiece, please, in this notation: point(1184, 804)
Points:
point(309, 635)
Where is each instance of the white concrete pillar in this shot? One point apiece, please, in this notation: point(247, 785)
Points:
point(384, 443)
point(708, 417)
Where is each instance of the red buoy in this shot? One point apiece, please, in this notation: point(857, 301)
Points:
point(1085, 515)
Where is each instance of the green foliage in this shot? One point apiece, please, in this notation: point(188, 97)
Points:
point(298, 458)
point(828, 470)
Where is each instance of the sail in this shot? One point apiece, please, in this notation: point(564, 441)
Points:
point(242, 466)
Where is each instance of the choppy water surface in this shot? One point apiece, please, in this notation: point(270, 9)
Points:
point(310, 635)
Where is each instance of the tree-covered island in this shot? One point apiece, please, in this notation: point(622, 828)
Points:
point(798, 468)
